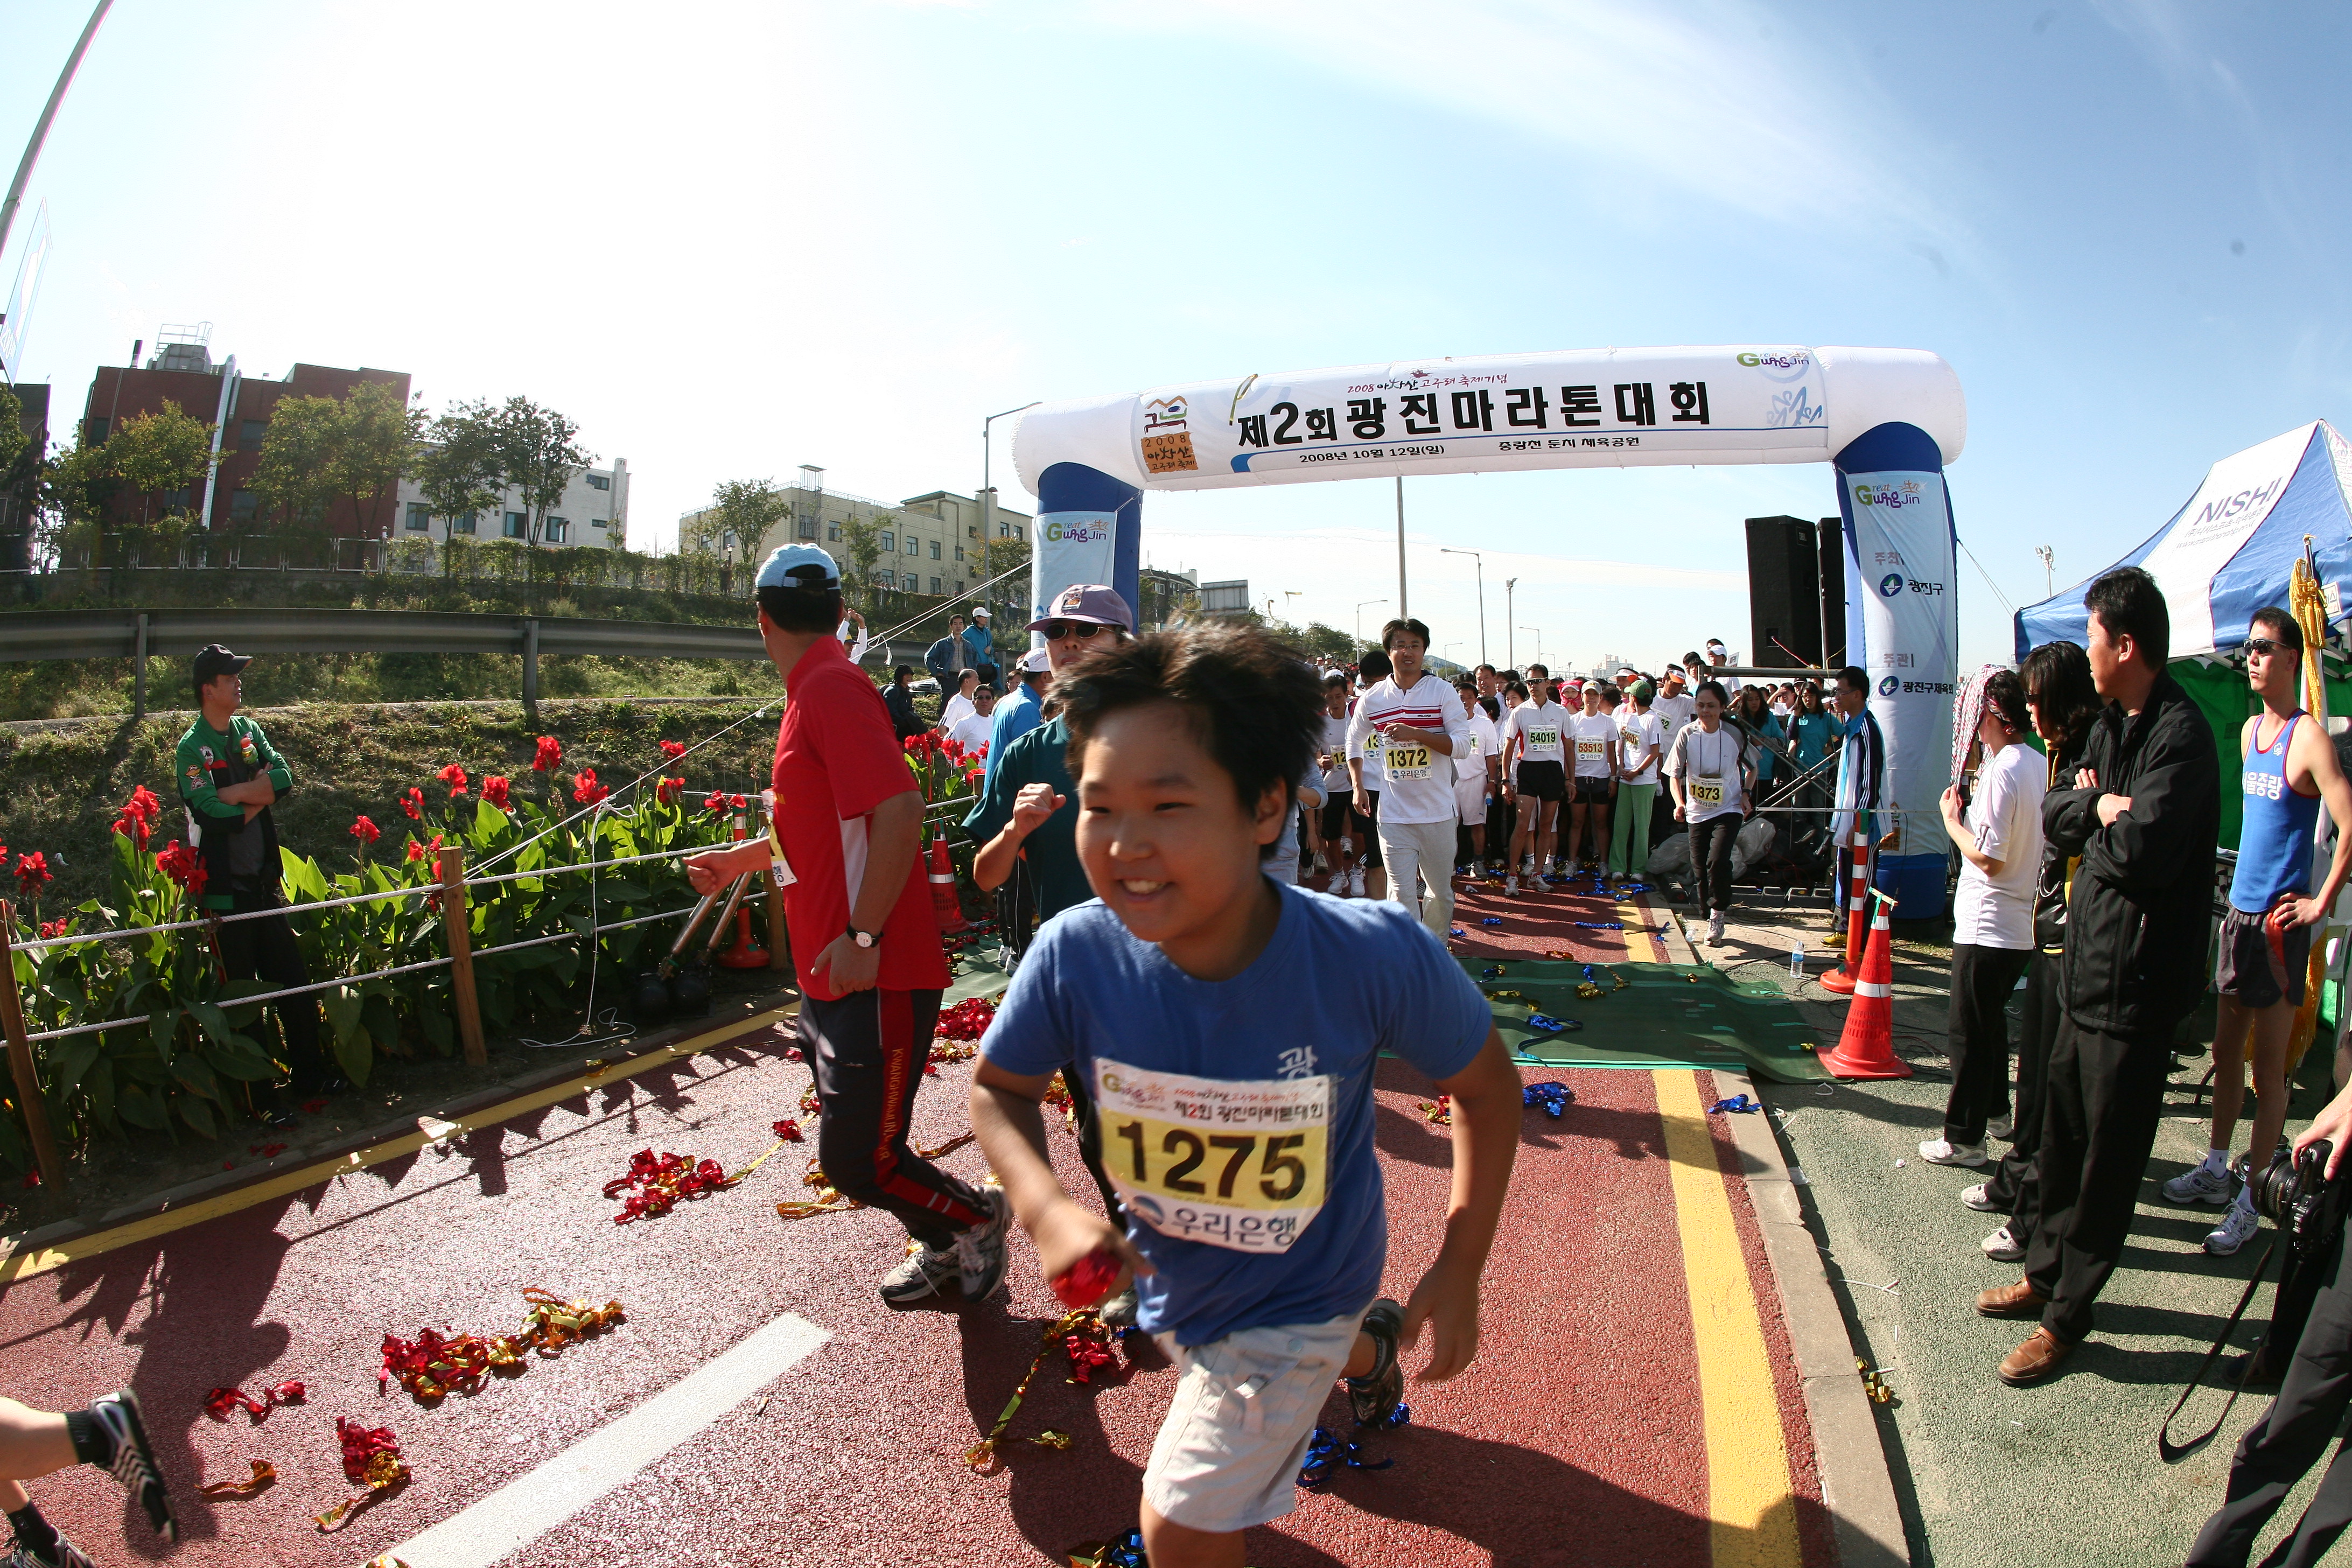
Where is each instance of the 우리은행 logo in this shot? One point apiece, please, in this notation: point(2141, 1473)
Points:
point(1891, 584)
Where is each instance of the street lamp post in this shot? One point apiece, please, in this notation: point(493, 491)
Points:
point(1538, 631)
point(988, 487)
point(1359, 618)
point(1511, 641)
point(16, 196)
point(1480, 561)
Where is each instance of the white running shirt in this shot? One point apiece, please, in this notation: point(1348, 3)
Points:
point(1646, 732)
point(1416, 780)
point(1595, 735)
point(1539, 730)
point(1485, 740)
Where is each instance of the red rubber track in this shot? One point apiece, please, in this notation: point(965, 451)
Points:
point(1576, 1439)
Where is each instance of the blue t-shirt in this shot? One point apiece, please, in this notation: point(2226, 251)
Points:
point(1014, 716)
point(1270, 1213)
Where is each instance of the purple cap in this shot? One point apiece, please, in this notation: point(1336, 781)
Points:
point(1088, 602)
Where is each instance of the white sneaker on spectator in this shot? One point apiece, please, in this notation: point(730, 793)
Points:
point(1715, 928)
point(1975, 1197)
point(1322, 861)
point(1511, 886)
point(2201, 1184)
point(2000, 1127)
point(2238, 1225)
point(1936, 1151)
point(1356, 883)
point(2001, 1246)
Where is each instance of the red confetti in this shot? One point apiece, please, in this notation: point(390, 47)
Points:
point(314, 1107)
point(221, 1400)
point(788, 1129)
point(966, 1020)
point(655, 1184)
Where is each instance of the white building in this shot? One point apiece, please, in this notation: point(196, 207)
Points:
point(929, 544)
point(595, 510)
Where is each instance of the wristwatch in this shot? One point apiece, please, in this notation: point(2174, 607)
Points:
point(863, 938)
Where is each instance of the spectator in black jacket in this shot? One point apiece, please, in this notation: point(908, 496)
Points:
point(897, 697)
point(2144, 813)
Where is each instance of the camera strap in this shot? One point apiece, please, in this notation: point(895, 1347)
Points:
point(2165, 1445)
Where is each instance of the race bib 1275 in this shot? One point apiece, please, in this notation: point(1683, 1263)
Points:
point(1238, 1165)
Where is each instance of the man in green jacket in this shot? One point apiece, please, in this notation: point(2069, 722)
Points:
point(229, 775)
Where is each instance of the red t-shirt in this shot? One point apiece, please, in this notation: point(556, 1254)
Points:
point(837, 758)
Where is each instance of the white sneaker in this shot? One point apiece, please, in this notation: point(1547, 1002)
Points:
point(1356, 884)
point(1715, 928)
point(1975, 1197)
point(1322, 861)
point(2001, 1246)
point(2000, 1127)
point(2238, 1225)
point(2201, 1184)
point(1511, 886)
point(1935, 1151)
point(1527, 865)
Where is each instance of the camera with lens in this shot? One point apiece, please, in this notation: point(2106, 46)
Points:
point(2295, 1194)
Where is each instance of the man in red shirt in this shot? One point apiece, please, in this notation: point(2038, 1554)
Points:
point(848, 828)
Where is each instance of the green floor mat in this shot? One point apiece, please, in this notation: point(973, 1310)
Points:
point(971, 974)
point(1661, 1015)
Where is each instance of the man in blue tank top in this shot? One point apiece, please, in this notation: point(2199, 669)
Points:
point(2290, 767)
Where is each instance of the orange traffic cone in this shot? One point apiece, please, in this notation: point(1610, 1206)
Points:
point(1867, 1048)
point(944, 902)
point(747, 953)
point(1857, 897)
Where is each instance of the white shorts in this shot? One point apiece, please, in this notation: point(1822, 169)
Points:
point(1229, 1454)
point(1470, 800)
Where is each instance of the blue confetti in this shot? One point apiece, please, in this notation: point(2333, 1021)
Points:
point(1492, 971)
point(1598, 925)
point(1492, 921)
point(1543, 1024)
point(1324, 1450)
point(1552, 1097)
point(1456, 930)
point(1737, 1103)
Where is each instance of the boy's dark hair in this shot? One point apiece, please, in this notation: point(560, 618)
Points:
point(1854, 677)
point(1493, 705)
point(1253, 703)
point(1403, 627)
point(2283, 626)
point(2129, 604)
point(1375, 664)
point(1692, 657)
point(2005, 695)
point(2057, 679)
point(1610, 694)
point(803, 609)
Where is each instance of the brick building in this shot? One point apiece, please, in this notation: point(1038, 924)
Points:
point(182, 371)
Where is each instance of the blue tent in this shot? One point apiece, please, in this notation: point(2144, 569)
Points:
point(2228, 551)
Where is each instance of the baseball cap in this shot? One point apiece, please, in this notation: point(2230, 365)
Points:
point(1035, 662)
point(1644, 692)
point(798, 566)
point(1088, 602)
point(979, 612)
point(213, 661)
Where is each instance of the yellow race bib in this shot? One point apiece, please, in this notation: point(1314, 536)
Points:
point(1707, 789)
point(1238, 1165)
point(1406, 762)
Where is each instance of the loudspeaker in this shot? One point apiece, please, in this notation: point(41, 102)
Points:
point(1833, 543)
point(1783, 593)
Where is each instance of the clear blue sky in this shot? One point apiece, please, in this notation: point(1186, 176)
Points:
point(736, 237)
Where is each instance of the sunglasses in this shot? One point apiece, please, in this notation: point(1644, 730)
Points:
point(2265, 646)
point(1056, 630)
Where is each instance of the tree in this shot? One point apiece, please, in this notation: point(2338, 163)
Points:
point(459, 468)
point(161, 452)
point(538, 456)
point(296, 478)
point(376, 440)
point(12, 436)
point(745, 508)
point(1327, 641)
point(862, 542)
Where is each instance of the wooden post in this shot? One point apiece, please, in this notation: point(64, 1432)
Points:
point(458, 924)
point(20, 1061)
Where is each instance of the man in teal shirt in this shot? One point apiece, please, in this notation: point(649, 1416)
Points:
point(229, 776)
point(1022, 711)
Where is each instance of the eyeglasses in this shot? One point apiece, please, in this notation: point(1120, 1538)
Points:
point(2264, 646)
point(1056, 630)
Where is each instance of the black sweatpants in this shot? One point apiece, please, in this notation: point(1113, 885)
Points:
point(2287, 1441)
point(2012, 1187)
point(868, 1050)
point(266, 949)
point(1711, 843)
point(2107, 1092)
point(1976, 1035)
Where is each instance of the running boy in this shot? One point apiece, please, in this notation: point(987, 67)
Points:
point(1200, 992)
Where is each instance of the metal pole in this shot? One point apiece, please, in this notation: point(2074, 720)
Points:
point(1510, 638)
point(1405, 609)
point(530, 665)
point(988, 490)
point(1478, 560)
point(138, 670)
point(1360, 616)
point(41, 128)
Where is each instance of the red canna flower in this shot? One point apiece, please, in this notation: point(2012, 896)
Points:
point(32, 874)
point(551, 754)
point(142, 804)
point(911, 744)
point(55, 927)
point(413, 803)
point(673, 749)
point(717, 803)
point(494, 790)
point(421, 851)
point(133, 828)
point(454, 777)
point(183, 865)
point(668, 790)
point(365, 831)
point(586, 789)
point(740, 803)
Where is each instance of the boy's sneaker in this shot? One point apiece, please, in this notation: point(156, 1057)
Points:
point(1978, 1198)
point(1936, 1151)
point(1715, 928)
point(2000, 1127)
point(1120, 1311)
point(134, 1460)
point(923, 1273)
point(2201, 1184)
point(980, 1249)
point(1511, 886)
point(2002, 1247)
point(1374, 1396)
point(63, 1555)
point(2238, 1225)
point(1356, 884)
point(1322, 861)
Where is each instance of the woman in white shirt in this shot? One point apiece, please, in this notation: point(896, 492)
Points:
point(1712, 779)
point(1998, 829)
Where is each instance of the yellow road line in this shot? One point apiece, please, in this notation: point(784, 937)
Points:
point(1649, 949)
point(43, 1260)
point(1750, 1501)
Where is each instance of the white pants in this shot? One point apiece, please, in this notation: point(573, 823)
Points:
point(1422, 852)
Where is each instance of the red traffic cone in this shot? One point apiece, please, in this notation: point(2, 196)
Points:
point(944, 902)
point(1857, 906)
point(747, 953)
point(1867, 1048)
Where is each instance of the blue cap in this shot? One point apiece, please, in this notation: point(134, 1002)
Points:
point(798, 566)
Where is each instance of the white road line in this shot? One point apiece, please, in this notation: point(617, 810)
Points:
point(529, 1506)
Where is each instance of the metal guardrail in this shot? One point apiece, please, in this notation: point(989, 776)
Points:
point(138, 635)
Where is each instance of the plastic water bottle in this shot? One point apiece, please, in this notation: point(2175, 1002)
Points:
point(1797, 962)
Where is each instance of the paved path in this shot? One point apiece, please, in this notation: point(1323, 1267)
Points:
point(1634, 1403)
